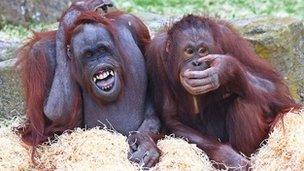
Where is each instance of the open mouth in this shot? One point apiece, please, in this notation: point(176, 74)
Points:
point(105, 79)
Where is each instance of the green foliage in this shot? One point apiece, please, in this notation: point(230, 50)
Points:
point(227, 9)
point(9, 31)
point(224, 8)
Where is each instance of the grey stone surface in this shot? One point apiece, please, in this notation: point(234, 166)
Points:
point(11, 98)
point(8, 49)
point(153, 21)
point(281, 42)
point(23, 11)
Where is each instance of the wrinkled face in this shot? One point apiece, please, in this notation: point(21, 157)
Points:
point(96, 59)
point(188, 46)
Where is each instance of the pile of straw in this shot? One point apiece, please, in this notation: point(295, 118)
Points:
point(13, 154)
point(177, 154)
point(86, 150)
point(94, 149)
point(284, 149)
point(98, 149)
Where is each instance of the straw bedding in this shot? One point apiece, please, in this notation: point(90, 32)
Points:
point(98, 149)
point(284, 149)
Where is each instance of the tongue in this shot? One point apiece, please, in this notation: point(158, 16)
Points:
point(104, 83)
point(101, 84)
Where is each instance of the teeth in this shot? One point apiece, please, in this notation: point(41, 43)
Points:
point(103, 75)
point(106, 87)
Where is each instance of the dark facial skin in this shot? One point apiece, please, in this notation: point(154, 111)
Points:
point(98, 63)
point(100, 76)
point(191, 45)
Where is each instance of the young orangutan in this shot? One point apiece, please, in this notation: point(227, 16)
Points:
point(212, 89)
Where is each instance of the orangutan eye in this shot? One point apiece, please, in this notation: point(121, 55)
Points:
point(88, 54)
point(189, 51)
point(203, 51)
point(103, 49)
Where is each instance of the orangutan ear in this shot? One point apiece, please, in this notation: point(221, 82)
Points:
point(69, 53)
point(168, 46)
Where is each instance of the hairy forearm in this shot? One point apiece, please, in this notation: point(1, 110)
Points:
point(259, 83)
point(208, 144)
point(150, 125)
point(241, 81)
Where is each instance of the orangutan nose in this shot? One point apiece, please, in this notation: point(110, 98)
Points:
point(196, 63)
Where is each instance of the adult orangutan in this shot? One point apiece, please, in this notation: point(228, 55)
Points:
point(90, 72)
point(211, 88)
